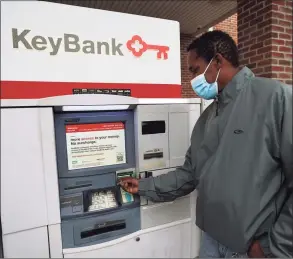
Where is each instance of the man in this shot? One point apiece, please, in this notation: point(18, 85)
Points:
point(240, 159)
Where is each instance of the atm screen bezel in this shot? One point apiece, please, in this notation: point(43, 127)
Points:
point(63, 119)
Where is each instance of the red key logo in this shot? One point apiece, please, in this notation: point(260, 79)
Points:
point(137, 46)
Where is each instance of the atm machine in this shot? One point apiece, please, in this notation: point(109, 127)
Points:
point(65, 161)
point(93, 208)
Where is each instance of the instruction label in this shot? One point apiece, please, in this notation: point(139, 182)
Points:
point(93, 145)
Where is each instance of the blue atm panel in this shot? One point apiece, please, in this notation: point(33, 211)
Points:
point(92, 149)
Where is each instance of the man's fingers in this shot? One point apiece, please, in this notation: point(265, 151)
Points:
point(132, 190)
point(128, 181)
point(123, 181)
point(129, 184)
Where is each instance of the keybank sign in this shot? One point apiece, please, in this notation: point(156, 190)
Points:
point(70, 43)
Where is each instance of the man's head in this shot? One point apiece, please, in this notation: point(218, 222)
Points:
point(218, 48)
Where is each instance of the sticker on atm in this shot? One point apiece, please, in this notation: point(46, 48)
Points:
point(126, 196)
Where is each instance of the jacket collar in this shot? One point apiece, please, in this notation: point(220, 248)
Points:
point(238, 82)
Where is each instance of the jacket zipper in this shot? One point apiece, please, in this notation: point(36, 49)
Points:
point(217, 105)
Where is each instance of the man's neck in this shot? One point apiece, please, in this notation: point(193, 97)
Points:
point(230, 73)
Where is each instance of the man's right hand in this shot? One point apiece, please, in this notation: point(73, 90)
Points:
point(129, 184)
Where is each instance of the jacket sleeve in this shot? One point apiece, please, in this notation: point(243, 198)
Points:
point(170, 186)
point(281, 233)
point(286, 145)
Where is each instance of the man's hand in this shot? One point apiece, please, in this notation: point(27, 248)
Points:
point(129, 184)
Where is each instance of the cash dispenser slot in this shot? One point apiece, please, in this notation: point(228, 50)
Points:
point(104, 228)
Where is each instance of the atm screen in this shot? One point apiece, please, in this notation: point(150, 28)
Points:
point(95, 144)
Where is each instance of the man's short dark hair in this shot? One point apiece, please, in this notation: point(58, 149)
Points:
point(210, 43)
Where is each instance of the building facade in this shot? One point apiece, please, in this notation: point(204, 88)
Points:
point(263, 32)
point(265, 37)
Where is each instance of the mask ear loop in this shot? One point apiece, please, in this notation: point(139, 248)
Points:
point(208, 66)
point(217, 79)
point(218, 75)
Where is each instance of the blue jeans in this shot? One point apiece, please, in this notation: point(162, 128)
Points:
point(210, 248)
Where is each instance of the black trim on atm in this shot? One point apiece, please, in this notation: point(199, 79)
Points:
point(153, 127)
point(153, 155)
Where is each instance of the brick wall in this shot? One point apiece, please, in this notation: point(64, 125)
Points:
point(186, 90)
point(230, 26)
point(265, 37)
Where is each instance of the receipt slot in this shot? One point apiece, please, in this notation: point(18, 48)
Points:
point(94, 150)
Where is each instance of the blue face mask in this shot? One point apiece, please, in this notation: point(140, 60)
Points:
point(204, 89)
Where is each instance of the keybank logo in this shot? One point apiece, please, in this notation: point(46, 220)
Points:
point(71, 43)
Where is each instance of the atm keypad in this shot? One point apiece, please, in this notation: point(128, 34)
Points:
point(102, 200)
